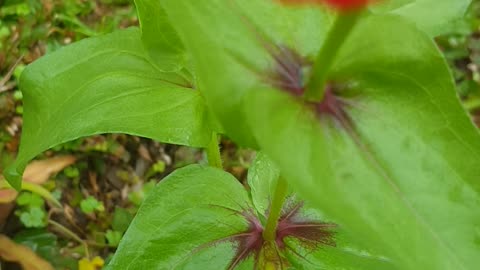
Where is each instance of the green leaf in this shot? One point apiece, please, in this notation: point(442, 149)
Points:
point(105, 84)
point(39, 190)
point(90, 205)
point(404, 178)
point(34, 217)
point(177, 225)
point(224, 39)
point(185, 211)
point(262, 179)
point(39, 241)
point(433, 16)
point(137, 197)
point(45, 244)
point(121, 219)
point(159, 37)
point(113, 237)
point(30, 200)
point(227, 42)
point(346, 255)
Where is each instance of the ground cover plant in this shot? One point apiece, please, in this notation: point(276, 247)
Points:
point(366, 158)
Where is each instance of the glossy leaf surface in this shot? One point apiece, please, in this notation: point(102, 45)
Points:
point(176, 225)
point(435, 17)
point(346, 255)
point(404, 96)
point(159, 37)
point(262, 179)
point(406, 163)
point(228, 41)
point(106, 84)
point(231, 42)
point(184, 212)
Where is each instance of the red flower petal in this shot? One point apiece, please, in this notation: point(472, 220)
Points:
point(347, 4)
point(301, 1)
point(342, 5)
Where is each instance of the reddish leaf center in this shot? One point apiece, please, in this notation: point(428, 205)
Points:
point(289, 74)
point(310, 234)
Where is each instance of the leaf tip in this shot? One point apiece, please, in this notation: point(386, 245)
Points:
point(13, 176)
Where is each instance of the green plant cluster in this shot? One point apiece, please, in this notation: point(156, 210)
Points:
point(379, 172)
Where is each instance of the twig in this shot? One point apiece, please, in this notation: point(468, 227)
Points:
point(71, 234)
point(9, 74)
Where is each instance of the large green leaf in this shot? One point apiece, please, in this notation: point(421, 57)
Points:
point(435, 17)
point(177, 225)
point(356, 186)
point(184, 212)
point(405, 178)
point(101, 85)
point(348, 254)
point(159, 38)
point(227, 40)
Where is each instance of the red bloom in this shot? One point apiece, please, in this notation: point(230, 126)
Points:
point(342, 5)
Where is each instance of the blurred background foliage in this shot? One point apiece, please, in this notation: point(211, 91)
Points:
point(79, 200)
point(462, 51)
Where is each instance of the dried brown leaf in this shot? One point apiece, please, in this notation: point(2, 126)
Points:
point(7, 195)
point(39, 171)
point(13, 252)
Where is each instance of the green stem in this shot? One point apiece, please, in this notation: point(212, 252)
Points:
point(213, 152)
point(34, 188)
point(338, 34)
point(281, 190)
point(70, 234)
point(43, 192)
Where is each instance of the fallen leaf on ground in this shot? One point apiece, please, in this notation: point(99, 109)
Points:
point(13, 252)
point(7, 195)
point(39, 171)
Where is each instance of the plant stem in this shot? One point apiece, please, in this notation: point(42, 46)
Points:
point(341, 28)
point(213, 152)
point(43, 192)
point(70, 234)
point(281, 190)
point(34, 188)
